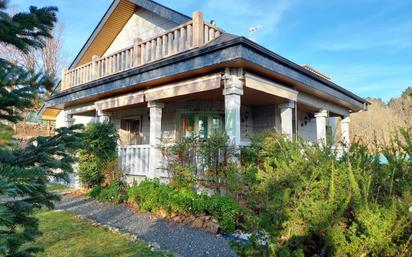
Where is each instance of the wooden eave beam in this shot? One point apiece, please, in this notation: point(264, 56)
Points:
point(202, 84)
point(270, 87)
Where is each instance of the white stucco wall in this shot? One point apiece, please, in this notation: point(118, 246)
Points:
point(84, 119)
point(307, 131)
point(61, 119)
point(144, 25)
point(306, 126)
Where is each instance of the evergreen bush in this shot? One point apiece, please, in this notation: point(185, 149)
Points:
point(98, 154)
point(311, 201)
point(115, 192)
point(152, 196)
point(24, 172)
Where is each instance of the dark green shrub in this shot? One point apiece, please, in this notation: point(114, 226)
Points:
point(90, 173)
point(100, 150)
point(152, 196)
point(191, 158)
point(216, 157)
point(95, 192)
point(307, 201)
point(115, 192)
point(225, 210)
point(101, 140)
point(181, 162)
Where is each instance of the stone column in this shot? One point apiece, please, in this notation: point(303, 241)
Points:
point(155, 162)
point(68, 120)
point(344, 125)
point(233, 90)
point(103, 116)
point(321, 126)
point(286, 118)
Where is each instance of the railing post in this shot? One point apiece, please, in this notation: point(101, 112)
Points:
point(137, 52)
point(95, 70)
point(198, 27)
point(63, 80)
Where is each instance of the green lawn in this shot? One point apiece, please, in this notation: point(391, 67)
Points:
point(56, 187)
point(66, 235)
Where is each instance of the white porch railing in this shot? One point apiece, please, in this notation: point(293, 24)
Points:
point(134, 159)
point(190, 35)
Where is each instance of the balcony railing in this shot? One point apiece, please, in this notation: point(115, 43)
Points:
point(190, 35)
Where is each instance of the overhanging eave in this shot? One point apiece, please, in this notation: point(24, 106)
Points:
point(212, 56)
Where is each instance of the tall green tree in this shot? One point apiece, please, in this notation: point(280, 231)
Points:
point(24, 172)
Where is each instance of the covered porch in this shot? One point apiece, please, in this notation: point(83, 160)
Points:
point(234, 101)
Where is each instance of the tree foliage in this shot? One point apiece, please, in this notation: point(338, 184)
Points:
point(24, 172)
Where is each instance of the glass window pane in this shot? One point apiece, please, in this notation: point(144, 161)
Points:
point(187, 125)
point(217, 124)
point(203, 127)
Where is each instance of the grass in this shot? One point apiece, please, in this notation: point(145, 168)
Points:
point(56, 187)
point(66, 235)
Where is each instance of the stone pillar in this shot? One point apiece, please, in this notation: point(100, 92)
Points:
point(103, 116)
point(68, 120)
point(155, 162)
point(233, 90)
point(332, 124)
point(321, 126)
point(286, 118)
point(344, 125)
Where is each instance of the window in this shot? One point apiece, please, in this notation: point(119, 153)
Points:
point(130, 131)
point(200, 124)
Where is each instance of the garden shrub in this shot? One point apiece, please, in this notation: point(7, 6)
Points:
point(152, 196)
point(310, 201)
point(95, 192)
point(115, 192)
point(192, 161)
point(112, 172)
point(225, 210)
point(90, 173)
point(99, 150)
point(101, 140)
point(216, 159)
point(181, 161)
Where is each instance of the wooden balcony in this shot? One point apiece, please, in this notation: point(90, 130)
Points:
point(190, 35)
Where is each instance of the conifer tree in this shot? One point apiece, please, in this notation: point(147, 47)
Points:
point(24, 172)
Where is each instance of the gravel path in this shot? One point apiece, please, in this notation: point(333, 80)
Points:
point(178, 239)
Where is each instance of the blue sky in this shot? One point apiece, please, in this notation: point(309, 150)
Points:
point(363, 45)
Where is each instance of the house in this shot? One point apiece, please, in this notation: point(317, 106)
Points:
point(157, 73)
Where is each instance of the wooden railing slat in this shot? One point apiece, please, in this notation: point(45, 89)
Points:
point(192, 34)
